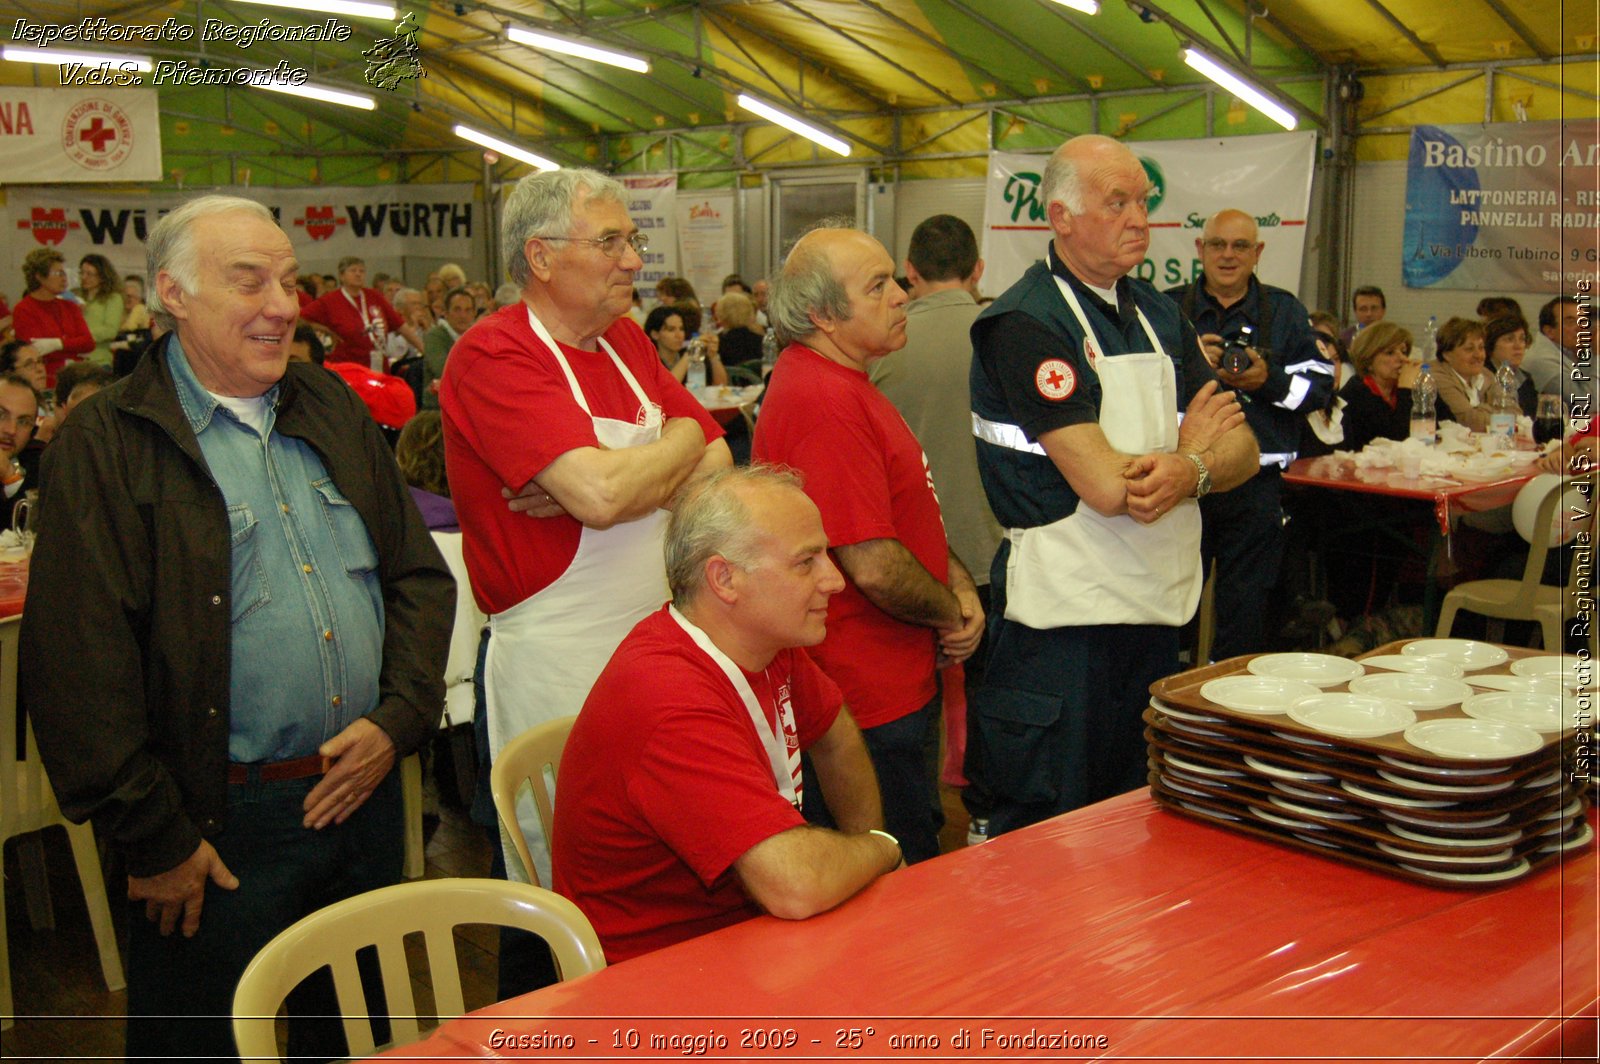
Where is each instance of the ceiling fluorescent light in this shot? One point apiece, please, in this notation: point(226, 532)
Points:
point(55, 56)
point(326, 95)
point(353, 8)
point(1088, 7)
point(1239, 87)
point(511, 151)
point(793, 124)
point(566, 46)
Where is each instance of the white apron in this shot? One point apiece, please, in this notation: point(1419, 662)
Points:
point(1088, 569)
point(546, 652)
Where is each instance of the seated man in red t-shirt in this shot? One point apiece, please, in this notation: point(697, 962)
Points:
point(681, 781)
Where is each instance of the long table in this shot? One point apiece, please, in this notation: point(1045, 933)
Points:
point(1122, 930)
point(1449, 497)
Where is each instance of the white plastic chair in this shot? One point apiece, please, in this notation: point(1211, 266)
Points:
point(1515, 600)
point(27, 804)
point(331, 937)
point(526, 759)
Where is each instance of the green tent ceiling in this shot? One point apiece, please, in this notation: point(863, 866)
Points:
point(923, 86)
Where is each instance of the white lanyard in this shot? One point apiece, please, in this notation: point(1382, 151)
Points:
point(572, 379)
point(784, 757)
point(1088, 331)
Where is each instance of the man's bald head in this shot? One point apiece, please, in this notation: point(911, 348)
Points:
point(1229, 251)
point(837, 294)
point(1075, 162)
point(1233, 220)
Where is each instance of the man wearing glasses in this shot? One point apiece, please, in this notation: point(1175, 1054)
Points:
point(19, 416)
point(1258, 339)
point(564, 438)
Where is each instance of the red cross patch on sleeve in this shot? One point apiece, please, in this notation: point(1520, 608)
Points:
point(1055, 379)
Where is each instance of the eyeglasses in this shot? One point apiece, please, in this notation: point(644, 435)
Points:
point(1240, 247)
point(610, 246)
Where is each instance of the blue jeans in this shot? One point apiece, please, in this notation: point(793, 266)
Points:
point(180, 990)
point(904, 754)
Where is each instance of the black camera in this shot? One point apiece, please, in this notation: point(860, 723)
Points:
point(1235, 356)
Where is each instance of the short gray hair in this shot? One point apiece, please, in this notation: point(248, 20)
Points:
point(1062, 183)
point(710, 518)
point(806, 286)
point(170, 247)
point(541, 205)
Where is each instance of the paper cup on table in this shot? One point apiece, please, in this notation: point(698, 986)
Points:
point(1410, 463)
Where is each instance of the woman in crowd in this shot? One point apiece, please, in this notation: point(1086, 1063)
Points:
point(1506, 340)
point(668, 328)
point(1378, 400)
point(1466, 390)
point(420, 454)
point(135, 314)
point(100, 290)
point(52, 326)
point(740, 342)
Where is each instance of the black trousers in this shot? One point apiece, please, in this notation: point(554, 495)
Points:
point(1242, 531)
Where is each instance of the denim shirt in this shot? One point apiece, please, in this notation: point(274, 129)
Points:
point(307, 605)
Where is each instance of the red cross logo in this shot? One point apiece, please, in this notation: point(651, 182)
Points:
point(1055, 379)
point(49, 225)
point(319, 222)
point(97, 134)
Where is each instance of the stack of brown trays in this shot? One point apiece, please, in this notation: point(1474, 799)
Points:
point(1479, 803)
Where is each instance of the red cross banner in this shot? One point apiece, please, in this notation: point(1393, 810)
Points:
point(60, 135)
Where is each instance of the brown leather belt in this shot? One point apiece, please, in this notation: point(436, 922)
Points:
point(271, 771)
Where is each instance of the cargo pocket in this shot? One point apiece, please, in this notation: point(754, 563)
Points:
point(1015, 736)
point(350, 536)
point(249, 589)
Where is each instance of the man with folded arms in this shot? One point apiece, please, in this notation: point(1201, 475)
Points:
point(268, 619)
point(681, 783)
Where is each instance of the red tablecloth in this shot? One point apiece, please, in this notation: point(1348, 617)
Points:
point(1169, 938)
point(1446, 495)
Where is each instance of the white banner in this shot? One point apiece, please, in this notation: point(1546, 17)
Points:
point(650, 204)
point(62, 135)
point(705, 240)
point(1268, 176)
point(382, 224)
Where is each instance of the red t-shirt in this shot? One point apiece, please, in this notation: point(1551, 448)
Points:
point(340, 312)
point(508, 413)
point(389, 399)
point(665, 784)
point(60, 318)
point(866, 472)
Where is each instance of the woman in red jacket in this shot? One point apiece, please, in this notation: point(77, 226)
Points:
point(52, 326)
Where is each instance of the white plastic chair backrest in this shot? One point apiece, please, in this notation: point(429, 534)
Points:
point(26, 801)
point(525, 759)
point(435, 907)
point(1549, 493)
point(463, 656)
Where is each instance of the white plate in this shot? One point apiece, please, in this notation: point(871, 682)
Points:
point(1438, 840)
point(1520, 868)
point(1279, 772)
point(1294, 737)
point(1352, 716)
point(1213, 813)
point(1179, 714)
point(1572, 809)
point(1412, 689)
point(1257, 695)
point(1390, 799)
point(1498, 857)
point(1285, 822)
point(1306, 810)
point(1319, 670)
point(1320, 842)
point(1449, 670)
point(1433, 770)
point(1300, 792)
point(1203, 770)
point(1549, 779)
point(1541, 684)
point(1474, 740)
point(1468, 653)
point(1461, 790)
point(1192, 730)
point(1166, 781)
point(1488, 822)
point(1541, 712)
point(1568, 669)
point(1582, 838)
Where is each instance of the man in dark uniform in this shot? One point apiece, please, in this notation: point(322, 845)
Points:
point(1258, 339)
point(1078, 378)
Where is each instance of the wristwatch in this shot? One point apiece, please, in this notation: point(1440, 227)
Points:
point(1203, 485)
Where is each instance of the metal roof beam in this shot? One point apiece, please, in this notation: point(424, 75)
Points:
point(1517, 27)
point(1017, 42)
point(865, 47)
point(1473, 76)
point(973, 70)
point(1569, 90)
point(945, 132)
point(863, 91)
point(1075, 21)
point(1405, 31)
point(1205, 9)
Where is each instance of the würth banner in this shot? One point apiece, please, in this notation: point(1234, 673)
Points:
point(96, 134)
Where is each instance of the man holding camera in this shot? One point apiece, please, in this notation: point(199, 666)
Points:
point(1258, 339)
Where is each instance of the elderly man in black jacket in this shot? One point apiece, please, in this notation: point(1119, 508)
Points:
point(258, 621)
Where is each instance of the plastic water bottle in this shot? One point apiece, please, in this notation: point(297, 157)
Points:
point(1503, 415)
point(769, 351)
point(1424, 393)
point(1430, 340)
point(977, 830)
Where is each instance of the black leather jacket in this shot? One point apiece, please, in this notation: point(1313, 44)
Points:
point(125, 633)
